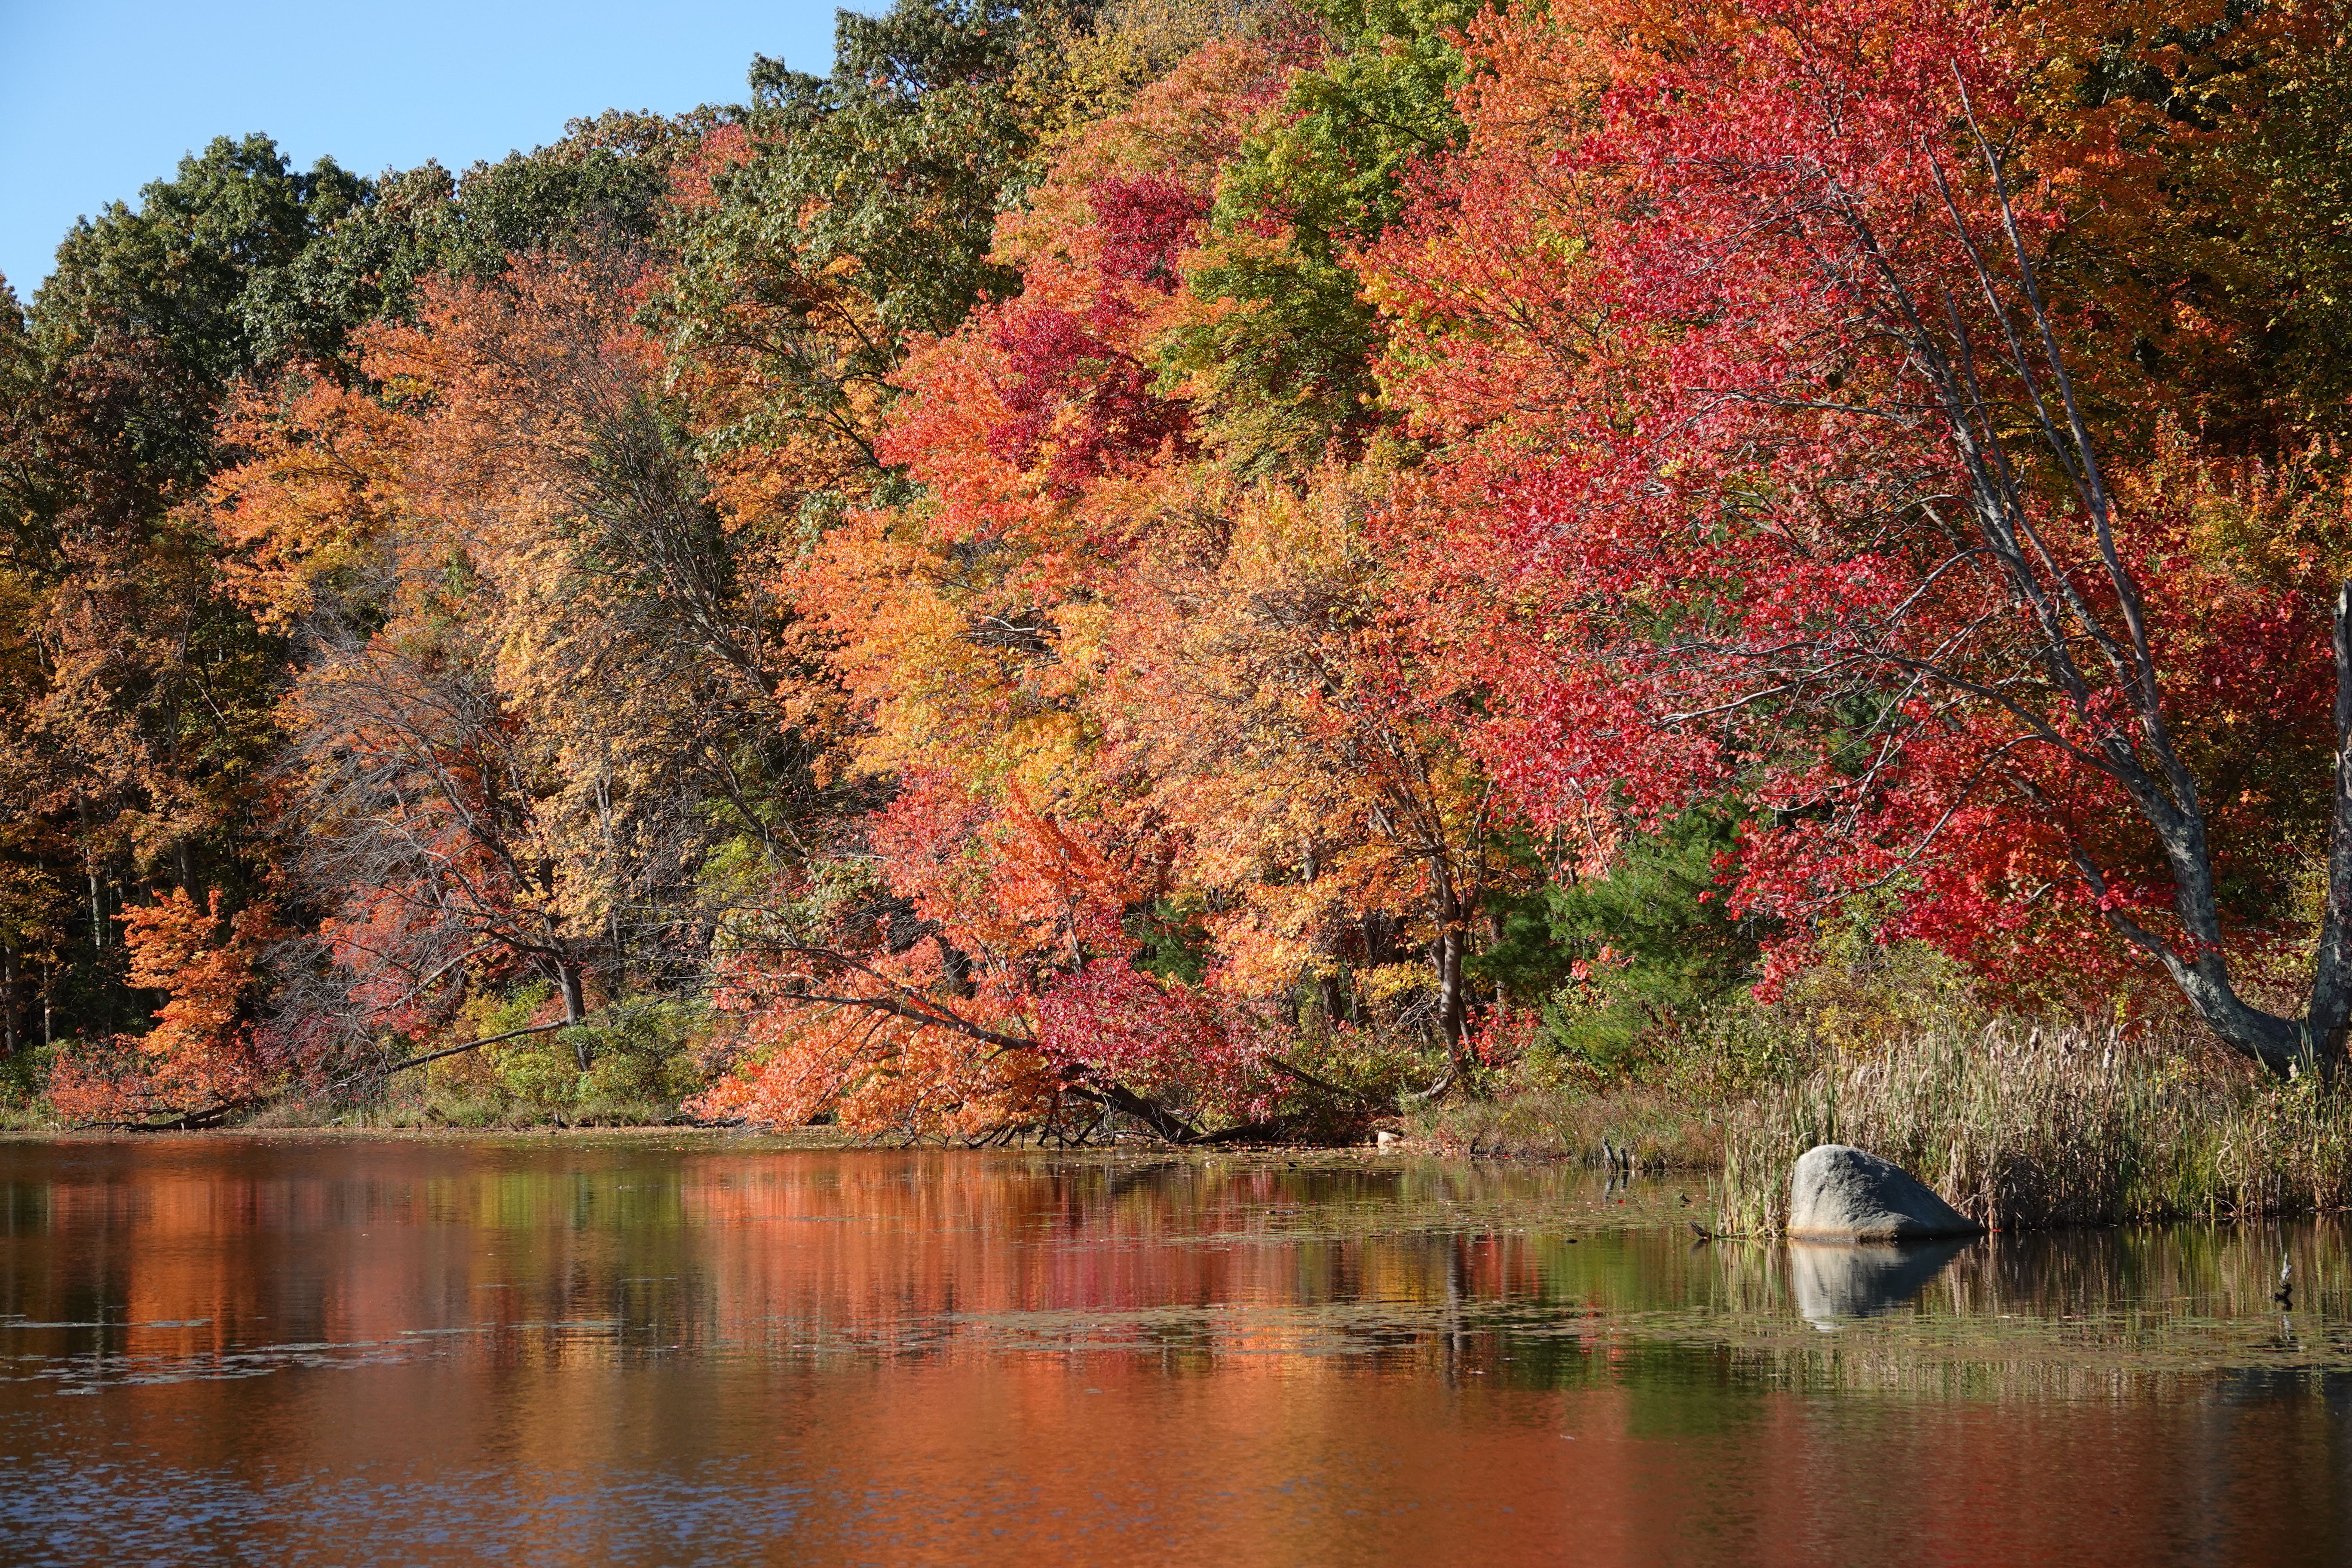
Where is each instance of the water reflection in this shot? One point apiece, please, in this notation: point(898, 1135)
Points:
point(1831, 1282)
point(693, 1350)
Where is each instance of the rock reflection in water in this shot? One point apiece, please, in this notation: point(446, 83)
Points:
point(1833, 1281)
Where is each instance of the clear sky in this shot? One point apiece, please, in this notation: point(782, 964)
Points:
point(98, 97)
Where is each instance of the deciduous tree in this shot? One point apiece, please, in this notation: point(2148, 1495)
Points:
point(1768, 421)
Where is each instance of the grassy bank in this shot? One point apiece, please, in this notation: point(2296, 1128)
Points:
point(460, 1113)
point(644, 1060)
point(2022, 1126)
point(2019, 1125)
point(1654, 1126)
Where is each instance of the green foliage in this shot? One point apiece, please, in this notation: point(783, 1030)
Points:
point(237, 263)
point(1865, 993)
point(1290, 372)
point(367, 265)
point(645, 1052)
point(179, 269)
point(25, 495)
point(567, 192)
point(151, 313)
point(538, 1071)
point(601, 184)
point(1171, 942)
point(1650, 944)
point(23, 1075)
point(644, 1057)
point(1375, 1069)
point(867, 211)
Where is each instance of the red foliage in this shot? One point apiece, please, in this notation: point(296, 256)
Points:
point(1145, 223)
point(1702, 505)
point(1163, 1037)
point(1073, 400)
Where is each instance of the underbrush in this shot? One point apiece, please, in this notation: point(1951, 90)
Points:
point(2018, 1124)
point(24, 1083)
point(460, 1113)
point(644, 1060)
point(1661, 1096)
point(2019, 1121)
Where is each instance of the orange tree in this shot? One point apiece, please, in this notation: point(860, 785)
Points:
point(1106, 623)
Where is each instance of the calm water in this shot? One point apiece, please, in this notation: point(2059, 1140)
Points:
point(556, 1352)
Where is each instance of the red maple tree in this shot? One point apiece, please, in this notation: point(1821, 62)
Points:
point(1784, 487)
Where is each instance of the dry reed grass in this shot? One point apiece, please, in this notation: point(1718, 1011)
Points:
point(2022, 1126)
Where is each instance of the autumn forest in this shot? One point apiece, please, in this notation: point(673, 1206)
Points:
point(1225, 570)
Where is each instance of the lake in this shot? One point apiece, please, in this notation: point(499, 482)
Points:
point(682, 1348)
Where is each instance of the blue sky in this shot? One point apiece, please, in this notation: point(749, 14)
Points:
point(98, 97)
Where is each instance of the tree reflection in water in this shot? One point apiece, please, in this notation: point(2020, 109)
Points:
point(689, 1349)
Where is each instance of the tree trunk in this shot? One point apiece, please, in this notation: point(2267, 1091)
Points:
point(2140, 757)
point(89, 861)
point(2330, 1013)
point(1452, 1004)
point(2284, 1045)
point(8, 997)
point(575, 1005)
point(958, 965)
point(1446, 951)
point(1494, 933)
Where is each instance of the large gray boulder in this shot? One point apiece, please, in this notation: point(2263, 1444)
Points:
point(1838, 1192)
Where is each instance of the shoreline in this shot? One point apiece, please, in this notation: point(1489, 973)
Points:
point(1647, 1181)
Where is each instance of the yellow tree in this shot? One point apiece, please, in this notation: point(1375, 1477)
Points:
point(534, 654)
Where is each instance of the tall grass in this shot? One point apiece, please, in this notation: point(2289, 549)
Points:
point(2019, 1126)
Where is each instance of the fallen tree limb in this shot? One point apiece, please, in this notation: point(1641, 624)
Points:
point(1423, 1096)
point(186, 1121)
point(1162, 1119)
point(1311, 1082)
point(474, 1044)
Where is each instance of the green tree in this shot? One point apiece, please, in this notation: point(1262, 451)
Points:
point(1290, 372)
point(606, 183)
point(1649, 943)
point(181, 269)
point(863, 215)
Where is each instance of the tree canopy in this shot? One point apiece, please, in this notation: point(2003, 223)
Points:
point(1209, 561)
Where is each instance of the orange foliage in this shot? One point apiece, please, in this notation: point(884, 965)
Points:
point(201, 1056)
point(1004, 719)
point(1108, 676)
